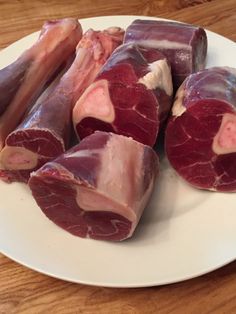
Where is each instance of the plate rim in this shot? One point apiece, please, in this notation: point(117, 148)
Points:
point(114, 285)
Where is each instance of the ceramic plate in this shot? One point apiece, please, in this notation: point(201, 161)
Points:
point(183, 233)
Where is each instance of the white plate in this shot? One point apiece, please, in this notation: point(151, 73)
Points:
point(182, 234)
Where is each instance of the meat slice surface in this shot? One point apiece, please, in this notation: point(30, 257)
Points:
point(45, 132)
point(99, 188)
point(23, 81)
point(131, 96)
point(201, 134)
point(184, 45)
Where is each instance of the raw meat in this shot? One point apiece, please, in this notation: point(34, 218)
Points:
point(131, 96)
point(201, 134)
point(99, 188)
point(45, 132)
point(184, 45)
point(22, 81)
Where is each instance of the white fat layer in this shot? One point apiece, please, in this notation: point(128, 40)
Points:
point(122, 179)
point(163, 44)
point(158, 77)
point(119, 187)
point(178, 109)
point(224, 141)
point(95, 103)
point(17, 158)
point(114, 30)
point(83, 153)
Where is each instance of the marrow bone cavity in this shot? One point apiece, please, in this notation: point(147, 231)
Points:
point(95, 103)
point(17, 158)
point(225, 140)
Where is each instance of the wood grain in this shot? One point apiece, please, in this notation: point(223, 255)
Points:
point(24, 291)
point(19, 18)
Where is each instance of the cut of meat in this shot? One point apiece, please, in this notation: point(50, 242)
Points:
point(184, 45)
point(23, 81)
point(201, 134)
point(99, 188)
point(131, 95)
point(45, 132)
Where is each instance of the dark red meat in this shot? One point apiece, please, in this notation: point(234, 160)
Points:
point(184, 45)
point(99, 188)
point(45, 132)
point(23, 81)
point(201, 134)
point(131, 96)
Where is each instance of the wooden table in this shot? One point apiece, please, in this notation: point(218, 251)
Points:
point(25, 291)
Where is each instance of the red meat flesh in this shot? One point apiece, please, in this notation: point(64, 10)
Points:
point(45, 132)
point(131, 96)
point(23, 81)
point(201, 134)
point(184, 45)
point(99, 188)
